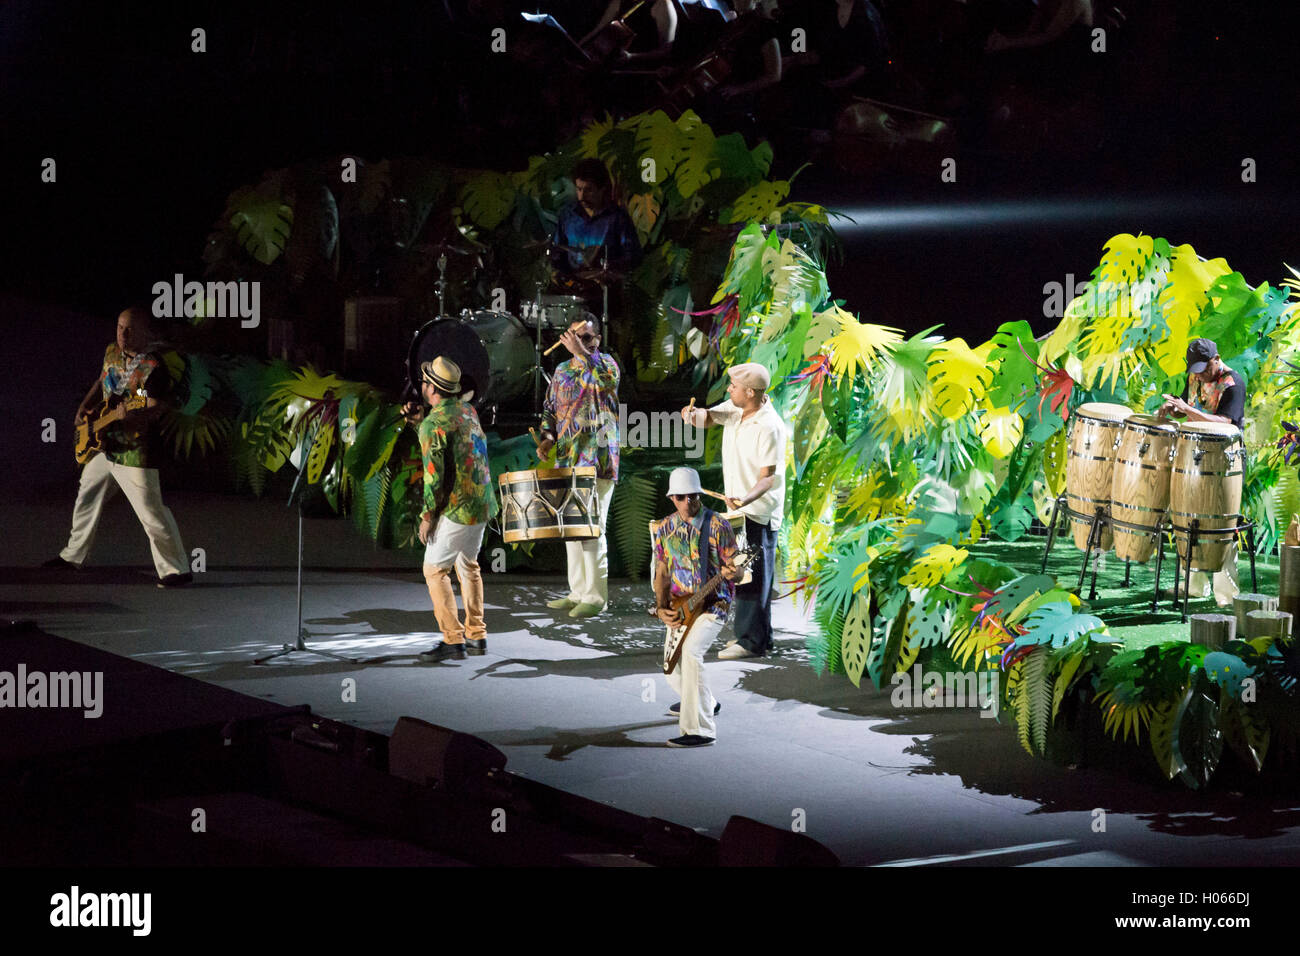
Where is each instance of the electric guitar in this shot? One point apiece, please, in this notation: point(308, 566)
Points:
point(690, 605)
point(90, 439)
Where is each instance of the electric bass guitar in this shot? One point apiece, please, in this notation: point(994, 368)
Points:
point(90, 438)
point(690, 607)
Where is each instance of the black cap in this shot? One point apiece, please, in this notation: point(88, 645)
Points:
point(1199, 353)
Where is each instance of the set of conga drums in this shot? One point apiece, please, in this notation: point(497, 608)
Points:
point(1138, 470)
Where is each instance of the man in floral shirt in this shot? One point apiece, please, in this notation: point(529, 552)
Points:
point(690, 547)
point(580, 420)
point(458, 497)
point(129, 460)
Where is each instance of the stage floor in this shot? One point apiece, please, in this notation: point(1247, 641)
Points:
point(581, 705)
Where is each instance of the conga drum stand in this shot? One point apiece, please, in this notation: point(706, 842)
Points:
point(1192, 533)
point(1098, 521)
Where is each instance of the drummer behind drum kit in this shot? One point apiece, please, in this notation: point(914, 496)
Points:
point(1130, 476)
point(500, 354)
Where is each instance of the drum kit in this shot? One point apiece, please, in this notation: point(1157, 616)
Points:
point(1132, 478)
point(500, 354)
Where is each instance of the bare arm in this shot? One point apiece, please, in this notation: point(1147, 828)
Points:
point(766, 478)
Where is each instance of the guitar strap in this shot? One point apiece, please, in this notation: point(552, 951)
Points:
point(706, 546)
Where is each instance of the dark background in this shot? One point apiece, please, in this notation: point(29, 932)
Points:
point(150, 138)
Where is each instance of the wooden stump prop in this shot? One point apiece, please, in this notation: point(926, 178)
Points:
point(1213, 630)
point(1288, 579)
point(1243, 604)
point(1268, 624)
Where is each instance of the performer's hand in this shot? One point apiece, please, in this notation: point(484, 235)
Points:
point(544, 448)
point(670, 616)
point(413, 412)
point(730, 572)
point(574, 345)
point(996, 43)
point(733, 504)
point(82, 414)
point(426, 529)
point(695, 416)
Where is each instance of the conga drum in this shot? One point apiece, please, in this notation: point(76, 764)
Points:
point(549, 503)
point(1093, 435)
point(1209, 460)
point(1139, 487)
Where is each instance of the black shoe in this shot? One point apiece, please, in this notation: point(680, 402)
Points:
point(176, 580)
point(676, 709)
point(476, 646)
point(443, 652)
point(57, 563)
point(690, 740)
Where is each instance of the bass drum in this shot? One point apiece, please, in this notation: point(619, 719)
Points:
point(493, 350)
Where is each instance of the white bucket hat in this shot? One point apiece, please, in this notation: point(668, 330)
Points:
point(684, 481)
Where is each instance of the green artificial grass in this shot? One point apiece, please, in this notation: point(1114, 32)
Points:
point(1126, 610)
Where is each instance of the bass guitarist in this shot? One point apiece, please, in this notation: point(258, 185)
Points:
point(690, 547)
point(131, 374)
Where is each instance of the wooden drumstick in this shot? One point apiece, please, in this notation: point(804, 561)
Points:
point(536, 440)
point(553, 347)
point(715, 495)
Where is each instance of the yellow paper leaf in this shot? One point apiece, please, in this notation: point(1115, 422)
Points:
point(936, 564)
point(1000, 431)
point(859, 343)
point(960, 376)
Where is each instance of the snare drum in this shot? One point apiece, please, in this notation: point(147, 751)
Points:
point(1209, 462)
point(1139, 488)
point(1093, 435)
point(549, 503)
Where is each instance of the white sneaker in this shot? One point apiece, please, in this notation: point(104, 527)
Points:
point(735, 651)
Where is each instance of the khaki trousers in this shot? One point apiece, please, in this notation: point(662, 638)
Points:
point(100, 481)
point(456, 545)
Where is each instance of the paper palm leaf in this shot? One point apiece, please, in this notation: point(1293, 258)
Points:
point(859, 344)
point(1000, 431)
point(937, 563)
point(960, 376)
point(1056, 624)
point(855, 640)
point(758, 202)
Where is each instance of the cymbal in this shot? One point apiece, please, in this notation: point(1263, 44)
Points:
point(549, 243)
point(440, 248)
point(599, 274)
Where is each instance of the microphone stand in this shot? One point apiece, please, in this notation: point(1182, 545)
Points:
point(295, 497)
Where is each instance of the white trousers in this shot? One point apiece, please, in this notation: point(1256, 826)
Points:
point(100, 480)
point(452, 542)
point(688, 680)
point(589, 558)
point(1225, 580)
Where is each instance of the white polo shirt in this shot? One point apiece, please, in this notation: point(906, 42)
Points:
point(748, 446)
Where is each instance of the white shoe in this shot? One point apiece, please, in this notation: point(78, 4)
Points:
point(735, 652)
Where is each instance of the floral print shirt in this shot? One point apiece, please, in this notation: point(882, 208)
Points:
point(455, 451)
point(677, 545)
point(121, 377)
point(582, 411)
point(1225, 396)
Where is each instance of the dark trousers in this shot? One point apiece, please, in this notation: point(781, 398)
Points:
point(754, 600)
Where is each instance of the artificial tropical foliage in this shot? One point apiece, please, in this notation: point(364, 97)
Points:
point(906, 448)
